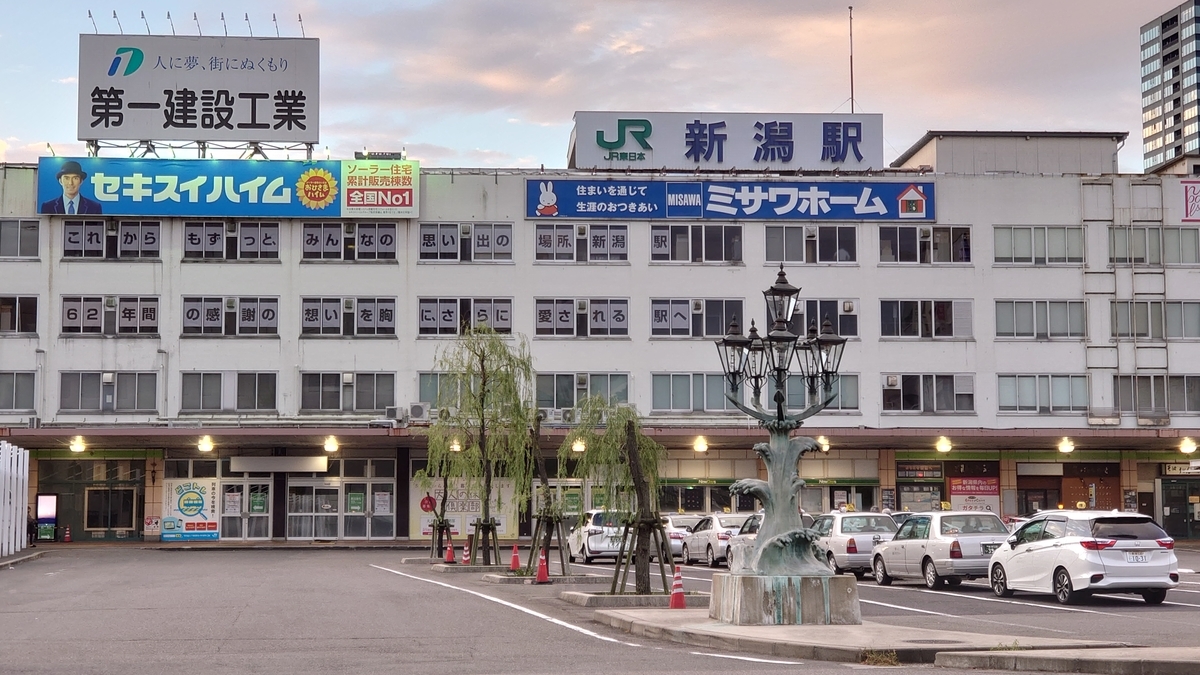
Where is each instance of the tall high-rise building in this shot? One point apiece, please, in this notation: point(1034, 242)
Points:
point(1169, 87)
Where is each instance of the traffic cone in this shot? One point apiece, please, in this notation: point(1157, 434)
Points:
point(449, 553)
point(466, 559)
point(67, 534)
point(677, 599)
point(543, 572)
point(516, 561)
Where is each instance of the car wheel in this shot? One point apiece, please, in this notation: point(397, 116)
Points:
point(933, 580)
point(1000, 582)
point(570, 554)
point(687, 559)
point(1064, 592)
point(587, 559)
point(1154, 596)
point(728, 556)
point(881, 576)
point(710, 558)
point(832, 562)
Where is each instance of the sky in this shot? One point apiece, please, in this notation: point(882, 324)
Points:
point(495, 83)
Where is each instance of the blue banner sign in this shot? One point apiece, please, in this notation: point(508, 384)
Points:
point(728, 200)
point(214, 188)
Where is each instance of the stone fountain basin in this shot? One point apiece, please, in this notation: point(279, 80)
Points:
point(757, 600)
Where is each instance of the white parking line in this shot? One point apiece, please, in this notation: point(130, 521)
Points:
point(511, 605)
point(749, 658)
point(956, 616)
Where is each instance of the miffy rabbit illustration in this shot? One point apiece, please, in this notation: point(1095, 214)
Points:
point(548, 201)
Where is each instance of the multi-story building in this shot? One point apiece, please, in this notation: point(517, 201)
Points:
point(1023, 326)
point(1169, 88)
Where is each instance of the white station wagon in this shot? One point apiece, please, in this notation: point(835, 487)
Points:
point(939, 547)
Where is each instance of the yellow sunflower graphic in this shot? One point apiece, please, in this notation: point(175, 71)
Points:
point(317, 188)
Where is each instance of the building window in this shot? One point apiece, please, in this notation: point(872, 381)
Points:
point(1043, 394)
point(581, 317)
point(679, 392)
point(201, 391)
point(83, 238)
point(110, 315)
point(1183, 319)
point(440, 389)
point(693, 318)
point(447, 316)
point(16, 391)
point(924, 244)
point(929, 393)
point(567, 242)
point(230, 316)
point(347, 391)
point(1135, 245)
point(1138, 319)
point(1181, 245)
point(798, 397)
point(229, 241)
point(1039, 245)
point(811, 243)
point(138, 239)
point(566, 390)
point(98, 239)
point(814, 312)
point(1183, 392)
point(1141, 393)
point(18, 238)
point(925, 318)
point(108, 392)
point(466, 241)
point(1041, 319)
point(18, 314)
point(343, 241)
point(256, 391)
point(348, 316)
point(696, 243)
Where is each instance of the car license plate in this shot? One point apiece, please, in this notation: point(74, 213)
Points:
point(1132, 557)
point(989, 548)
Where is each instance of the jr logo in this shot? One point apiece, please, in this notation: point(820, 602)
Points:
point(639, 129)
point(134, 62)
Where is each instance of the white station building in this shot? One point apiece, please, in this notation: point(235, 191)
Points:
point(1023, 323)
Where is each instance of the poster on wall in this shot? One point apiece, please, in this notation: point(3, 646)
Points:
point(975, 494)
point(463, 506)
point(190, 510)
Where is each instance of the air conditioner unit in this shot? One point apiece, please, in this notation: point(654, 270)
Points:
point(112, 227)
point(926, 232)
point(230, 303)
point(892, 382)
point(581, 380)
point(465, 229)
point(347, 378)
point(550, 414)
point(349, 228)
point(231, 228)
point(348, 304)
point(697, 306)
point(392, 412)
point(570, 415)
point(108, 378)
point(418, 412)
point(35, 422)
point(449, 411)
point(847, 307)
point(810, 233)
point(581, 230)
point(110, 301)
point(581, 306)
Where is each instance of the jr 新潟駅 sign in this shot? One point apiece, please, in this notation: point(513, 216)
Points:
point(549, 198)
point(227, 188)
point(764, 142)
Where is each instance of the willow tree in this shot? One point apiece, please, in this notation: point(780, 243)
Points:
point(623, 463)
point(482, 429)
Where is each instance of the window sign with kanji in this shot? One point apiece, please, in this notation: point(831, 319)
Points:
point(196, 88)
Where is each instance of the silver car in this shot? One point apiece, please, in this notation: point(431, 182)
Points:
point(846, 539)
point(597, 535)
point(940, 547)
point(710, 537)
point(677, 526)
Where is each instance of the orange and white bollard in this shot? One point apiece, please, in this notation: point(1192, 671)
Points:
point(466, 559)
point(516, 561)
point(449, 553)
point(543, 570)
point(677, 599)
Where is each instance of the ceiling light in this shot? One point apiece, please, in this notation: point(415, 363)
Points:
point(331, 444)
point(1187, 446)
point(823, 442)
point(1066, 445)
point(77, 444)
point(943, 444)
point(578, 446)
point(205, 444)
point(454, 446)
point(700, 445)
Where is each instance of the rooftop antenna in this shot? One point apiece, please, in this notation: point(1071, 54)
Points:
point(146, 22)
point(224, 25)
point(197, 20)
point(171, 22)
point(248, 24)
point(851, 59)
point(300, 18)
point(276, 22)
point(93, 20)
point(118, 22)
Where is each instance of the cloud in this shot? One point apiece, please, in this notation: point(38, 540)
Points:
point(66, 80)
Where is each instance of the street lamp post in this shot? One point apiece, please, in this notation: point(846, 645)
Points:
point(783, 547)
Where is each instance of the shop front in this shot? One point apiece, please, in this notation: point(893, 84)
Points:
point(1179, 487)
point(920, 485)
point(839, 478)
point(702, 495)
point(100, 496)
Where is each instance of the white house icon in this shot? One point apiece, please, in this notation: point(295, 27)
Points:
point(912, 203)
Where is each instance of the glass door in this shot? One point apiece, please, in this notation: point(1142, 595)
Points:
point(383, 512)
point(354, 513)
point(231, 511)
point(325, 513)
point(300, 512)
point(258, 516)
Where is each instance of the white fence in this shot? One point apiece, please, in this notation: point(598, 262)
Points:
point(14, 497)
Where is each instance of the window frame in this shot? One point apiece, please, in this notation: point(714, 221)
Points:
point(812, 249)
point(459, 250)
point(666, 245)
point(15, 236)
point(924, 385)
point(348, 319)
point(436, 325)
point(924, 249)
point(1044, 389)
point(1040, 317)
point(15, 390)
point(20, 308)
point(926, 319)
point(1040, 237)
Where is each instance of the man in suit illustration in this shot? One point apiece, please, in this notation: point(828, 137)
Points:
point(71, 176)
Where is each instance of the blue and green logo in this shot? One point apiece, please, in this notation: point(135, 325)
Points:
point(191, 503)
point(133, 60)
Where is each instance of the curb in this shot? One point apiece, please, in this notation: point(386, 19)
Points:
point(1059, 663)
point(624, 600)
point(20, 558)
point(530, 580)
